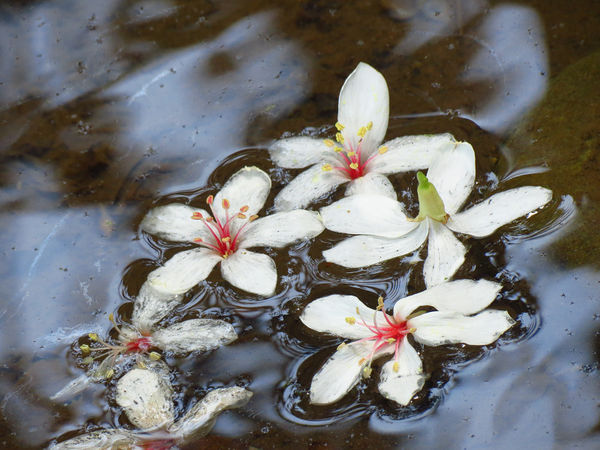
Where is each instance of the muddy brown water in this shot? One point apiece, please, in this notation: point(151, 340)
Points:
point(108, 108)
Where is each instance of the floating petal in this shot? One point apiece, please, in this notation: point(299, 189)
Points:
point(194, 335)
point(372, 184)
point(298, 152)
point(250, 272)
point(151, 305)
point(445, 254)
point(174, 223)
point(249, 187)
point(401, 385)
point(281, 229)
point(501, 208)
point(100, 439)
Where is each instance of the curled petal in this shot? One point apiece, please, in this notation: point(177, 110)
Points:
point(374, 215)
point(183, 271)
point(439, 328)
point(174, 222)
point(453, 175)
point(461, 296)
point(194, 335)
point(249, 187)
point(401, 385)
point(364, 99)
point(298, 152)
point(445, 254)
point(151, 305)
point(145, 396)
point(307, 187)
point(328, 315)
point(200, 419)
point(250, 272)
point(281, 229)
point(372, 183)
point(342, 371)
point(411, 153)
point(501, 208)
point(362, 251)
point(100, 439)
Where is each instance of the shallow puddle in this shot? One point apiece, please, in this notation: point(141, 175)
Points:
point(110, 108)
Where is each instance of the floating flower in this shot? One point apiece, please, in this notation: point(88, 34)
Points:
point(386, 232)
point(145, 394)
point(356, 156)
point(226, 235)
point(379, 334)
point(181, 338)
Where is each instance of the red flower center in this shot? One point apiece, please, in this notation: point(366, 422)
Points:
point(140, 345)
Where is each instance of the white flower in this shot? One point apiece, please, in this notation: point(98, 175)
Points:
point(145, 394)
point(181, 338)
point(357, 157)
point(387, 233)
point(226, 236)
point(379, 334)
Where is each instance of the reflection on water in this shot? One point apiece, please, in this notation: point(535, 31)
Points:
point(107, 106)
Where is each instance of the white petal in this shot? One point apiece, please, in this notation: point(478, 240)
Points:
point(73, 388)
point(342, 371)
point(184, 271)
point(411, 153)
point(251, 272)
point(145, 397)
point(374, 215)
point(372, 183)
point(461, 296)
point(364, 98)
point(174, 222)
point(362, 251)
point(485, 217)
point(281, 229)
point(328, 315)
point(100, 439)
point(298, 152)
point(445, 254)
point(194, 335)
point(307, 187)
point(439, 328)
point(249, 187)
point(453, 175)
point(151, 305)
point(402, 385)
point(200, 419)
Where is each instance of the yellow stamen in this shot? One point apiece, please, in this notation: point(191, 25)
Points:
point(226, 239)
point(339, 138)
point(328, 142)
point(244, 209)
point(412, 330)
point(382, 149)
point(141, 364)
point(84, 348)
point(362, 131)
point(339, 126)
point(354, 166)
point(369, 126)
point(338, 149)
point(341, 346)
point(327, 168)
point(391, 340)
point(396, 366)
point(197, 239)
point(209, 199)
point(380, 304)
point(154, 356)
point(254, 217)
point(109, 373)
point(197, 216)
point(351, 154)
point(93, 336)
point(225, 203)
point(241, 216)
point(367, 372)
point(361, 361)
point(351, 320)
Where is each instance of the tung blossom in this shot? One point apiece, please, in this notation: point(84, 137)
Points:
point(224, 236)
point(386, 232)
point(179, 339)
point(145, 394)
point(357, 156)
point(459, 318)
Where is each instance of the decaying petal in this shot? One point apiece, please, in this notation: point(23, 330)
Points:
point(151, 305)
point(145, 396)
point(98, 440)
point(194, 335)
point(200, 419)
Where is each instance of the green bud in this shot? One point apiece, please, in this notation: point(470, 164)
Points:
point(430, 203)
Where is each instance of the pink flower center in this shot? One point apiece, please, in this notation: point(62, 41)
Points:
point(353, 161)
point(391, 332)
point(140, 345)
point(224, 238)
point(162, 444)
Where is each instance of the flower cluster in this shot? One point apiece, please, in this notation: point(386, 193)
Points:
point(447, 312)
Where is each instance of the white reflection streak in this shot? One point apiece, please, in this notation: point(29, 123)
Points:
point(144, 88)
